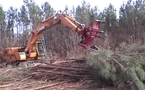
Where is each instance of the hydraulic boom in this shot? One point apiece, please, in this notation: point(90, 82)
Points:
point(30, 51)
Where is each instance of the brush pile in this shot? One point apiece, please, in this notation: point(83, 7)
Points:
point(74, 70)
point(125, 68)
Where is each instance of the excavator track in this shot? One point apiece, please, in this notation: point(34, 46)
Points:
point(24, 64)
point(32, 63)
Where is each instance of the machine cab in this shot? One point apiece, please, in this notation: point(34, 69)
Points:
point(41, 48)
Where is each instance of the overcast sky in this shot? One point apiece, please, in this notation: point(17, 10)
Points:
point(60, 4)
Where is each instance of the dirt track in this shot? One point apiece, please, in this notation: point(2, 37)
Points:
point(61, 75)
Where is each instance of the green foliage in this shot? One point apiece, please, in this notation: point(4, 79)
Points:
point(101, 57)
point(34, 12)
point(125, 70)
point(2, 25)
point(110, 16)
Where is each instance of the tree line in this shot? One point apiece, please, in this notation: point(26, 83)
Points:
point(127, 27)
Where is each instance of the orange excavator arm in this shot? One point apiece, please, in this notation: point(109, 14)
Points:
point(31, 52)
point(88, 34)
point(50, 22)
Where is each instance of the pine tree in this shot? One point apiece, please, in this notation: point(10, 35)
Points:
point(2, 26)
point(11, 22)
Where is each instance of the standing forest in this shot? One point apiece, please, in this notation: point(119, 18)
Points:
point(121, 60)
point(125, 28)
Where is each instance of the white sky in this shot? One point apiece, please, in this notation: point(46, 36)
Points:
point(60, 4)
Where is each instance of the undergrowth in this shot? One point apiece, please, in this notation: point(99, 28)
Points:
point(124, 68)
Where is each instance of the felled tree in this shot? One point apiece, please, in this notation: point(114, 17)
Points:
point(124, 70)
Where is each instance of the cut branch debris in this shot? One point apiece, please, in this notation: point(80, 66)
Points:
point(61, 70)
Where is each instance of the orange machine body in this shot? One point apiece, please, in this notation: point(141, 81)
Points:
point(31, 50)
